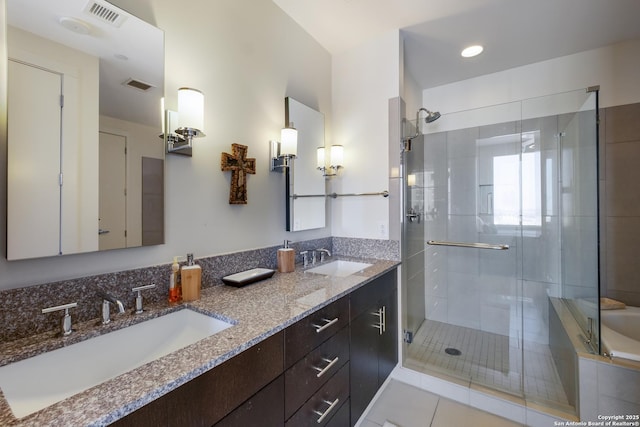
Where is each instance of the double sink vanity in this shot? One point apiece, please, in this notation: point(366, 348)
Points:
point(310, 347)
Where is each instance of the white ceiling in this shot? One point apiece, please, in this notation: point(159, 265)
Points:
point(140, 43)
point(513, 32)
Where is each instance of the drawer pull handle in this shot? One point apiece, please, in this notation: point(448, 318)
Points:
point(324, 414)
point(384, 318)
point(326, 325)
point(322, 371)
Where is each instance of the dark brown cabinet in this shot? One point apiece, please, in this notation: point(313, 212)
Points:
point(373, 340)
point(306, 334)
point(321, 371)
point(310, 373)
point(208, 398)
point(317, 354)
point(262, 409)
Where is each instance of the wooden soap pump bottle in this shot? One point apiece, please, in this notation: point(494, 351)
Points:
point(191, 277)
point(286, 258)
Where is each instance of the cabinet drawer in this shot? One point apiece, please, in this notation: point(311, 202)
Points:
point(308, 333)
point(325, 403)
point(341, 418)
point(208, 398)
point(311, 372)
point(262, 409)
point(372, 293)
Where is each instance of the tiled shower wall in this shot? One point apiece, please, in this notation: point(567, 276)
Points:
point(620, 203)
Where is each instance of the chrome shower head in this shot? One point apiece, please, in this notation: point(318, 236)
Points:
point(432, 116)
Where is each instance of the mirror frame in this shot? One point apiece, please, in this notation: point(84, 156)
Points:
point(4, 61)
point(306, 201)
point(4, 67)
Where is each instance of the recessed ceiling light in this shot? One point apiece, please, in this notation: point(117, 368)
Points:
point(470, 51)
point(75, 25)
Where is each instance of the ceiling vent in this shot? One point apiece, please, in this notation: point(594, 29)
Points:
point(138, 84)
point(105, 12)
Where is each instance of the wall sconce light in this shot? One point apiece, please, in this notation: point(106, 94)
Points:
point(336, 159)
point(411, 180)
point(181, 127)
point(283, 151)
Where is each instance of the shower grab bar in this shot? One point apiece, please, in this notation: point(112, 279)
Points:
point(303, 196)
point(380, 193)
point(468, 245)
point(336, 195)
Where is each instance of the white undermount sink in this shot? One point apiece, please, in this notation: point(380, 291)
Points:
point(35, 383)
point(339, 268)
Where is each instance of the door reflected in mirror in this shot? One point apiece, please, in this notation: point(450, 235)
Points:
point(84, 97)
point(306, 199)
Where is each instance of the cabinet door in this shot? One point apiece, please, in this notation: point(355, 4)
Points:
point(33, 167)
point(341, 418)
point(262, 409)
point(208, 398)
point(388, 354)
point(365, 342)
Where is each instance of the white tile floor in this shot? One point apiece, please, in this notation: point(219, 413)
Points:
point(488, 359)
point(402, 405)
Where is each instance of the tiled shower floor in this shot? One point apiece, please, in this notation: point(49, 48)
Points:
point(487, 359)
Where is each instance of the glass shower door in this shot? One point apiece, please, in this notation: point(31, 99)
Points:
point(466, 196)
point(500, 222)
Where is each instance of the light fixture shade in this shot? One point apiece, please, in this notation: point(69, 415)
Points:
point(337, 156)
point(320, 164)
point(289, 141)
point(411, 180)
point(190, 109)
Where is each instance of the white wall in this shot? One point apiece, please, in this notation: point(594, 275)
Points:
point(614, 68)
point(245, 60)
point(364, 79)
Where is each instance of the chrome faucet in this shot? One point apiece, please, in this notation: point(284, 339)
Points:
point(322, 252)
point(107, 299)
point(139, 309)
point(66, 320)
point(305, 258)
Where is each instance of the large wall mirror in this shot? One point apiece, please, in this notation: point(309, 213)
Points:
point(85, 166)
point(306, 200)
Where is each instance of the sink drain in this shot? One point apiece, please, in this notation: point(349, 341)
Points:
point(452, 351)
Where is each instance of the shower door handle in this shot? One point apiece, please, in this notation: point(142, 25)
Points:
point(412, 215)
point(468, 245)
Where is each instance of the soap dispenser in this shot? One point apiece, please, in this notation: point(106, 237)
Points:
point(191, 277)
point(286, 258)
point(174, 282)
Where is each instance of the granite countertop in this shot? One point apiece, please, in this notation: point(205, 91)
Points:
point(258, 311)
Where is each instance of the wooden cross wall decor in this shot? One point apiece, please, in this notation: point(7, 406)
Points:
point(240, 166)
